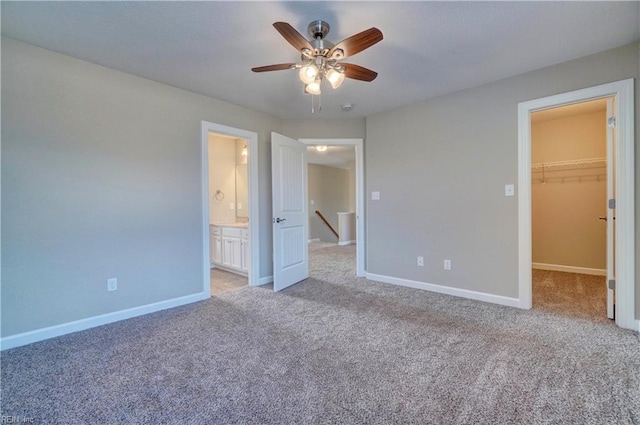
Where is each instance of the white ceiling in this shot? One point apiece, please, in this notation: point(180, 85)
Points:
point(429, 48)
point(334, 156)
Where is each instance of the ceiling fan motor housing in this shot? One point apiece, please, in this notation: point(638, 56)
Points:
point(318, 29)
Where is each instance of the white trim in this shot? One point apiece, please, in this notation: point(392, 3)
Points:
point(314, 240)
point(29, 337)
point(343, 243)
point(254, 217)
point(569, 269)
point(625, 218)
point(360, 212)
point(265, 280)
point(456, 292)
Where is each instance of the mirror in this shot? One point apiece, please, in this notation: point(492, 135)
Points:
point(241, 191)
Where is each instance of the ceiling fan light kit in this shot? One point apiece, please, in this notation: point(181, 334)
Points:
point(319, 57)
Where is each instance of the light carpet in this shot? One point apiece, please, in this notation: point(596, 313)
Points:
point(331, 349)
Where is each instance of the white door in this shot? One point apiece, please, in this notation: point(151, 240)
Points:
point(290, 233)
point(611, 195)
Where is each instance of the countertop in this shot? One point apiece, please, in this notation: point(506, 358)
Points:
point(240, 225)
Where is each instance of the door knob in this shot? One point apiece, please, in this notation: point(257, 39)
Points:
point(278, 220)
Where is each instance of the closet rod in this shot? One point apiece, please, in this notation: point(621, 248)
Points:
point(576, 164)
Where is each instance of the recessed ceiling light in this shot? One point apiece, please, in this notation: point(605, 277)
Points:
point(321, 148)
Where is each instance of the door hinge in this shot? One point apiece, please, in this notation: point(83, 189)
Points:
point(612, 284)
point(612, 204)
point(611, 122)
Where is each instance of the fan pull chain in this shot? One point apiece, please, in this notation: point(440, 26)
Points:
point(313, 109)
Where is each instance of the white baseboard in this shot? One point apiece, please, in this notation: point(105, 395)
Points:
point(265, 280)
point(29, 337)
point(569, 269)
point(457, 292)
point(314, 240)
point(343, 243)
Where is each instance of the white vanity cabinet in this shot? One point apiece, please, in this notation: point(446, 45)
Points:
point(215, 245)
point(230, 248)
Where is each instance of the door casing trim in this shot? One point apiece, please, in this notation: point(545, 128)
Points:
point(622, 91)
point(360, 213)
point(254, 208)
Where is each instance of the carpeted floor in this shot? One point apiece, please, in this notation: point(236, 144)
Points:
point(570, 294)
point(332, 349)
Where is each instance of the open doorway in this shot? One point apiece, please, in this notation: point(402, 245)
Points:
point(622, 285)
point(335, 191)
point(228, 213)
point(230, 208)
point(568, 201)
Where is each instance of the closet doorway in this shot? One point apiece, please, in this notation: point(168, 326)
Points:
point(569, 185)
point(620, 165)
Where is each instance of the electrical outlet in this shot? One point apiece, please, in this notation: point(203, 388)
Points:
point(112, 284)
point(421, 261)
point(447, 264)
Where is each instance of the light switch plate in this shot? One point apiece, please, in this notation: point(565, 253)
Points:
point(509, 190)
point(375, 196)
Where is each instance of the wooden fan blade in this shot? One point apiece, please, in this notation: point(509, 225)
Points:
point(356, 43)
point(358, 72)
point(277, 67)
point(292, 36)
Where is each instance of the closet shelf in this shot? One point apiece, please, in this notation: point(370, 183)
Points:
point(577, 164)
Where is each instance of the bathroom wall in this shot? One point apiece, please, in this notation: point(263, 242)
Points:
point(242, 183)
point(222, 177)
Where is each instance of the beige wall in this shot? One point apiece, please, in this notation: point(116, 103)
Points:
point(329, 189)
point(441, 167)
point(316, 128)
point(352, 187)
point(222, 174)
point(566, 205)
point(101, 178)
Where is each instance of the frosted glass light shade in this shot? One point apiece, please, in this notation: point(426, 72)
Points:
point(308, 74)
point(313, 88)
point(335, 78)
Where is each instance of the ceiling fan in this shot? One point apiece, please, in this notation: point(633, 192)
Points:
point(321, 59)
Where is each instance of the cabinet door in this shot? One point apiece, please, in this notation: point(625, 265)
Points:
point(231, 252)
point(236, 250)
point(227, 252)
point(244, 262)
point(216, 249)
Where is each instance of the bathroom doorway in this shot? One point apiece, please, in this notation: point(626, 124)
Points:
point(230, 208)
